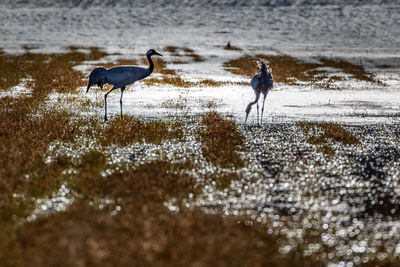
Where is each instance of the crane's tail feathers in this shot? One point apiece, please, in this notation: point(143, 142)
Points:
point(97, 76)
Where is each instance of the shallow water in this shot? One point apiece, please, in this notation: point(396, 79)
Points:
point(345, 207)
point(318, 27)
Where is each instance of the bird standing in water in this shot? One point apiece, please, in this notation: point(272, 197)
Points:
point(261, 83)
point(120, 77)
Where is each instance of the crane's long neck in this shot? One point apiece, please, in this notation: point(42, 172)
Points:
point(151, 64)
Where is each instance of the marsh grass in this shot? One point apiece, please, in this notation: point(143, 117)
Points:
point(357, 71)
point(160, 66)
point(47, 73)
point(224, 180)
point(136, 226)
point(9, 74)
point(170, 76)
point(27, 128)
point(130, 130)
point(133, 225)
point(176, 103)
point(23, 143)
point(321, 133)
point(220, 140)
point(211, 83)
point(176, 81)
point(242, 66)
point(209, 104)
point(171, 49)
point(184, 51)
point(145, 233)
point(290, 70)
point(196, 57)
point(119, 62)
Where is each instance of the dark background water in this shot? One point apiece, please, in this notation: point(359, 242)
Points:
point(320, 26)
point(189, 3)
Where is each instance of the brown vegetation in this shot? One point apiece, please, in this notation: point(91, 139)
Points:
point(130, 130)
point(184, 51)
point(211, 83)
point(356, 71)
point(119, 214)
point(147, 234)
point(210, 104)
point(320, 133)
point(242, 66)
point(223, 181)
point(25, 136)
point(125, 62)
point(176, 103)
point(290, 70)
point(160, 66)
point(221, 140)
point(179, 82)
point(170, 80)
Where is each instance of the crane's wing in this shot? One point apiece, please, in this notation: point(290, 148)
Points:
point(124, 75)
point(255, 81)
point(269, 82)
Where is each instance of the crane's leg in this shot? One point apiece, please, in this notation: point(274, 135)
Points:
point(258, 115)
point(120, 101)
point(262, 110)
point(248, 108)
point(105, 103)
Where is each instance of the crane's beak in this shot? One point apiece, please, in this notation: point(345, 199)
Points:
point(158, 54)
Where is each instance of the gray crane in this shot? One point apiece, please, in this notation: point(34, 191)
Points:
point(261, 83)
point(120, 77)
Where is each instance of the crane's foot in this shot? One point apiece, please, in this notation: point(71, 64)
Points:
point(105, 119)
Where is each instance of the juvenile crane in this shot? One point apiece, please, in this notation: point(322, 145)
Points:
point(261, 83)
point(120, 77)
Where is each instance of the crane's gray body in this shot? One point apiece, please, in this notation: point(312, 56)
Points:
point(120, 77)
point(261, 83)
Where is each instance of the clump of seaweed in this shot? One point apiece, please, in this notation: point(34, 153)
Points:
point(221, 140)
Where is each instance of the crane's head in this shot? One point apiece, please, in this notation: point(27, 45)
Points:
point(152, 52)
point(262, 65)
